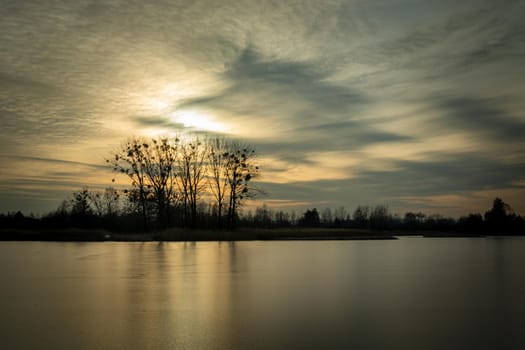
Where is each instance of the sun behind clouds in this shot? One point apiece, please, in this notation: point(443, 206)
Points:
point(199, 121)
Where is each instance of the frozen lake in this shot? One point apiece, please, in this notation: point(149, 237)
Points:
point(411, 293)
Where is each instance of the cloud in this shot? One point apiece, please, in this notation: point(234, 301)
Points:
point(482, 116)
point(276, 88)
point(32, 109)
point(51, 161)
point(297, 80)
point(435, 42)
point(296, 101)
point(158, 121)
point(466, 172)
point(369, 101)
point(407, 184)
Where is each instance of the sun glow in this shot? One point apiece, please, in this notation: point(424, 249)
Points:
point(196, 120)
point(158, 105)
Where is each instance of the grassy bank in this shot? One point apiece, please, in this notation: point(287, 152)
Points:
point(180, 235)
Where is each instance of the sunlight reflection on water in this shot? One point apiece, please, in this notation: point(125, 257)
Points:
point(409, 293)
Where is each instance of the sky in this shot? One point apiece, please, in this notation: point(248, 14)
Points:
point(418, 105)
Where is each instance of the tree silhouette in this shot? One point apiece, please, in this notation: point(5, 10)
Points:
point(106, 202)
point(379, 217)
point(217, 181)
point(361, 216)
point(191, 173)
point(239, 169)
point(169, 172)
point(80, 203)
point(499, 217)
point(310, 218)
point(150, 166)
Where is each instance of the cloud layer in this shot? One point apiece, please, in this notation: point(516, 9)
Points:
point(412, 104)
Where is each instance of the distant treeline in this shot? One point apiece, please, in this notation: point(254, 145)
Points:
point(500, 219)
point(85, 210)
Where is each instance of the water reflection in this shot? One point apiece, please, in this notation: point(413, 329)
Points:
point(410, 293)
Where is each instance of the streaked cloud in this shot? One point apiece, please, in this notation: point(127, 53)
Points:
point(408, 103)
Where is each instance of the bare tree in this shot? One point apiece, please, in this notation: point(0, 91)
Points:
point(160, 162)
point(340, 215)
point(150, 164)
point(326, 216)
point(217, 157)
point(191, 175)
point(240, 169)
point(106, 202)
point(361, 216)
point(130, 160)
point(80, 205)
point(379, 217)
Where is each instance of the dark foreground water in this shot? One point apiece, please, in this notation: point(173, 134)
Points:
point(413, 293)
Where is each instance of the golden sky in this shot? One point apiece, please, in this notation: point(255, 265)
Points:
point(417, 105)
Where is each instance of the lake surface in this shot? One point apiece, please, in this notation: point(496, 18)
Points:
point(411, 293)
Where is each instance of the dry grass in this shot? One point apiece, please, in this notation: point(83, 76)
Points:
point(178, 234)
point(268, 234)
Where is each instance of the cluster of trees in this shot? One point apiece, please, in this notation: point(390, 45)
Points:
point(499, 219)
point(192, 182)
point(173, 178)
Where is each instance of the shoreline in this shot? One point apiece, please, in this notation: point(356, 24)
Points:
point(242, 234)
point(188, 235)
